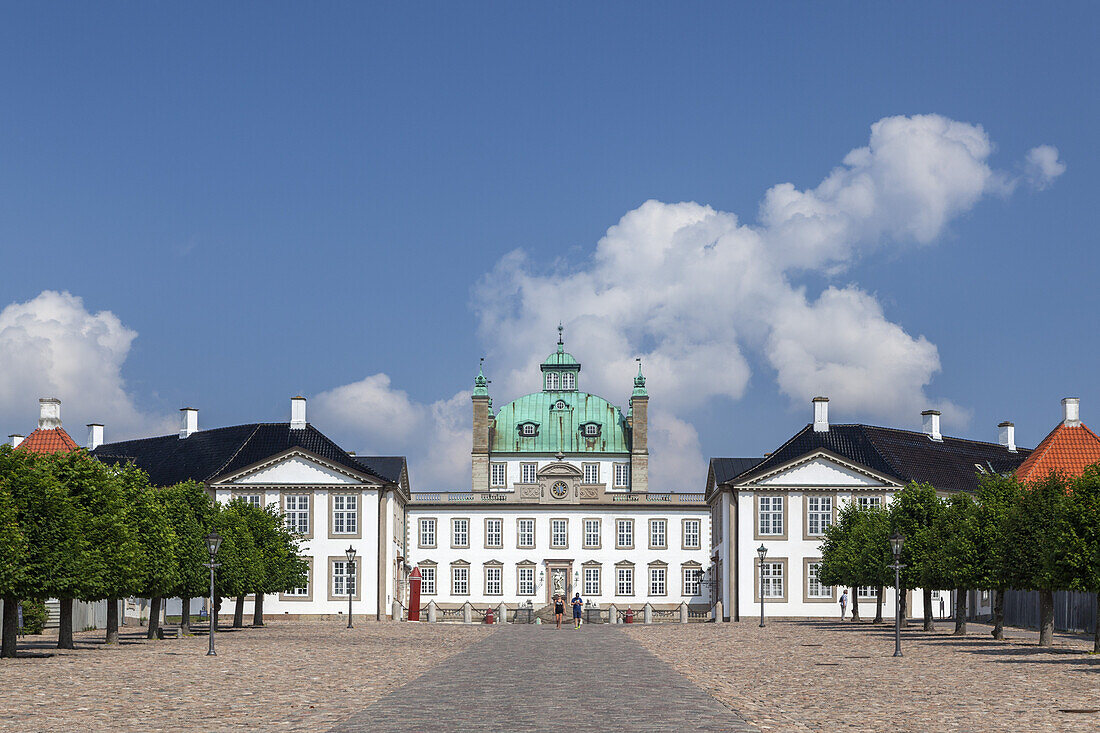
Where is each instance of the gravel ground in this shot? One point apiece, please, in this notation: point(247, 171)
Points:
point(812, 676)
point(289, 676)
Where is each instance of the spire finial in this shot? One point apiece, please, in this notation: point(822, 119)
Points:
point(561, 344)
point(481, 384)
point(639, 381)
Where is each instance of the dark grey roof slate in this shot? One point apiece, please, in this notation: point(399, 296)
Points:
point(729, 468)
point(208, 454)
point(387, 467)
point(904, 455)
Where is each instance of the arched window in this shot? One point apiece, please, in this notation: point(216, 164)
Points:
point(551, 380)
point(528, 429)
point(559, 405)
point(568, 381)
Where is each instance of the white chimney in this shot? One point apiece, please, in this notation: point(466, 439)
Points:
point(931, 424)
point(49, 413)
point(297, 412)
point(189, 421)
point(16, 440)
point(821, 414)
point(1071, 411)
point(1006, 435)
point(95, 435)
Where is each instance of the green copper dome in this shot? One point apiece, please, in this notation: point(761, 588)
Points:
point(560, 359)
point(560, 423)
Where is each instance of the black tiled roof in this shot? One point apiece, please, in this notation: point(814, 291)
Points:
point(387, 467)
point(729, 468)
point(904, 455)
point(208, 454)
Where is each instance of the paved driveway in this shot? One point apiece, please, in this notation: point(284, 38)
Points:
point(538, 678)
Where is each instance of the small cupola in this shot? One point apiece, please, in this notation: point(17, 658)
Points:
point(560, 369)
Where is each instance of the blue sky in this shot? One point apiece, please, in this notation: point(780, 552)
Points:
point(279, 199)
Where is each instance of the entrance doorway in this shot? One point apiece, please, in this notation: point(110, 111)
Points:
point(559, 580)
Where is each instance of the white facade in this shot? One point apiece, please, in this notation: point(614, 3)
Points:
point(653, 565)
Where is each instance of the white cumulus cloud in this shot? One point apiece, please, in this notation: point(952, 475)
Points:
point(1042, 166)
point(51, 346)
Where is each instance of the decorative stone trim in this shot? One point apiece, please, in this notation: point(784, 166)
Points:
point(420, 535)
point(332, 577)
point(756, 579)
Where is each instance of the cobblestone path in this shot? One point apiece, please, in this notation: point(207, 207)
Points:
point(538, 678)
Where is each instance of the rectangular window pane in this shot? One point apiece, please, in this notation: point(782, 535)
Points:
point(625, 585)
point(657, 529)
point(343, 584)
point(867, 591)
point(691, 534)
point(344, 518)
point(657, 581)
point(558, 533)
point(771, 515)
point(427, 533)
point(526, 533)
point(625, 531)
point(591, 581)
point(591, 473)
point(592, 533)
point(492, 580)
point(622, 475)
point(297, 513)
point(693, 581)
point(460, 581)
point(528, 473)
point(526, 580)
point(427, 581)
point(771, 574)
point(814, 587)
point(498, 474)
point(460, 532)
point(494, 532)
point(819, 514)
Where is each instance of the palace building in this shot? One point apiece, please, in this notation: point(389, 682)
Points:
point(560, 503)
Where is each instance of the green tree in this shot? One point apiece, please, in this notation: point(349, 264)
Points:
point(957, 561)
point(191, 514)
point(1084, 517)
point(157, 543)
point(13, 549)
point(996, 496)
point(871, 544)
point(281, 567)
point(839, 556)
point(913, 514)
point(1039, 531)
point(241, 561)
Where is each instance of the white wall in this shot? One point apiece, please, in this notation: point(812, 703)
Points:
point(607, 466)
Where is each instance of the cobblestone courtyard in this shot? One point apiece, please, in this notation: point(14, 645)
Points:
point(789, 676)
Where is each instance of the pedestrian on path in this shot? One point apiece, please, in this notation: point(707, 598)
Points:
point(559, 609)
point(843, 603)
point(578, 604)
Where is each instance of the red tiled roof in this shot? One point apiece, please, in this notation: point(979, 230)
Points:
point(1067, 450)
point(52, 440)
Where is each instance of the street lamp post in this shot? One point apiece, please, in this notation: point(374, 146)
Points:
point(896, 542)
point(762, 552)
point(350, 552)
point(213, 542)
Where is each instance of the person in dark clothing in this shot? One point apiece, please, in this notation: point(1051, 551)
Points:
point(578, 604)
point(559, 609)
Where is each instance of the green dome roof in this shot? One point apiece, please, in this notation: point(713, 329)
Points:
point(560, 358)
point(560, 429)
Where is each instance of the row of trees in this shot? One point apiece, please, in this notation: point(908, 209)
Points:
point(74, 528)
point(1042, 536)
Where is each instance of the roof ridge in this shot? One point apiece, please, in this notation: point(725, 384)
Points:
point(885, 459)
point(236, 452)
point(921, 432)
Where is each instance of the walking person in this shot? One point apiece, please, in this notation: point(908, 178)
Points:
point(578, 604)
point(559, 609)
point(843, 603)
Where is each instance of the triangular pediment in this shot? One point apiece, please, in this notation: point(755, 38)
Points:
point(821, 469)
point(559, 469)
point(294, 468)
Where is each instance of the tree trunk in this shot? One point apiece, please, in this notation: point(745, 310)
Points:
point(65, 624)
point(258, 610)
point(999, 613)
point(855, 604)
point(10, 634)
point(112, 620)
point(901, 607)
point(238, 613)
point(1096, 633)
point(154, 617)
point(878, 606)
point(185, 616)
point(929, 619)
point(1046, 617)
point(215, 612)
point(960, 612)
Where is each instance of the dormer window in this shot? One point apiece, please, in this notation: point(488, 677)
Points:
point(560, 405)
point(591, 430)
point(568, 381)
point(551, 381)
point(528, 429)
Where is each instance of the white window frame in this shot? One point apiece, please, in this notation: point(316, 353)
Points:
point(528, 473)
point(658, 534)
point(624, 581)
point(494, 580)
point(772, 579)
point(342, 580)
point(345, 514)
point(823, 591)
point(522, 533)
point(770, 509)
point(591, 580)
point(591, 473)
point(568, 381)
point(693, 534)
point(658, 581)
point(494, 532)
point(427, 581)
point(622, 475)
point(297, 512)
point(867, 502)
point(427, 532)
point(693, 581)
point(818, 518)
point(592, 533)
point(551, 381)
point(464, 532)
point(498, 474)
point(255, 500)
point(624, 528)
point(460, 586)
point(554, 534)
point(527, 430)
point(525, 580)
point(867, 592)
